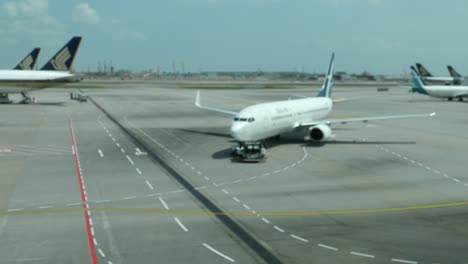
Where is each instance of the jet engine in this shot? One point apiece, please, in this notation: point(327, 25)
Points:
point(319, 132)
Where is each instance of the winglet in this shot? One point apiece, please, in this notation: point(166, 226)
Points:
point(328, 83)
point(64, 58)
point(197, 99)
point(29, 62)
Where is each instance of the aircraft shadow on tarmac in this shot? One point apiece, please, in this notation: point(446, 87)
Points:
point(291, 139)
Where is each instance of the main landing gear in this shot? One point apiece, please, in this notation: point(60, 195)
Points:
point(249, 151)
point(27, 99)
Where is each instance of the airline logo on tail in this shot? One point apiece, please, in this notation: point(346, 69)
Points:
point(328, 84)
point(59, 63)
point(26, 64)
point(423, 71)
point(29, 62)
point(418, 84)
point(63, 60)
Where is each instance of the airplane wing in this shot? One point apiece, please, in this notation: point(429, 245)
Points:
point(361, 119)
point(338, 100)
point(199, 105)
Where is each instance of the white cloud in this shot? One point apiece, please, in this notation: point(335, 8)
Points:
point(29, 18)
point(84, 13)
point(26, 7)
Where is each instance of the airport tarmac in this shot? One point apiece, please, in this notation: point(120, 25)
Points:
point(381, 192)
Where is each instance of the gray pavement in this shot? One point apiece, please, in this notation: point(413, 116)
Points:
point(380, 192)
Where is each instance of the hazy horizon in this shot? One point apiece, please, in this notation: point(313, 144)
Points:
point(379, 36)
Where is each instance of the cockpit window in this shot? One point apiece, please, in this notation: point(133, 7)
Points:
point(242, 119)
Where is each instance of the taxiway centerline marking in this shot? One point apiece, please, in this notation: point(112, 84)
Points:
point(218, 253)
point(180, 224)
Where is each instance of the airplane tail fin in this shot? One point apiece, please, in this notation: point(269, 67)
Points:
point(423, 71)
point(328, 83)
point(29, 62)
point(64, 58)
point(453, 72)
point(418, 83)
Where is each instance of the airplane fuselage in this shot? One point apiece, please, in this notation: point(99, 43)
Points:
point(442, 80)
point(444, 91)
point(20, 81)
point(262, 121)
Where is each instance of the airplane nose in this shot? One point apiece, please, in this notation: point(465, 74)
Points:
point(236, 131)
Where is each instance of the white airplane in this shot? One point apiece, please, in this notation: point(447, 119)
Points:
point(30, 61)
point(436, 80)
point(252, 125)
point(54, 73)
point(440, 91)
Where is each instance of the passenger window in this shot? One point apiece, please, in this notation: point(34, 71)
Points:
point(236, 119)
point(251, 119)
point(243, 119)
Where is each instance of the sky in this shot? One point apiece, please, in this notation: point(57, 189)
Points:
point(380, 36)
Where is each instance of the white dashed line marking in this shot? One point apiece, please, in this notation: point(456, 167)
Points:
point(100, 153)
point(206, 178)
point(466, 184)
point(218, 253)
point(404, 261)
point(456, 180)
point(122, 150)
point(95, 242)
point(246, 206)
point(361, 254)
point(102, 253)
point(265, 220)
point(327, 247)
point(130, 160)
point(235, 199)
point(279, 229)
point(300, 238)
point(73, 204)
point(45, 207)
point(149, 185)
point(14, 210)
point(180, 224)
point(163, 203)
point(139, 171)
point(117, 144)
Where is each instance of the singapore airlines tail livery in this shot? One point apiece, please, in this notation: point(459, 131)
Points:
point(30, 61)
point(55, 72)
point(458, 79)
point(435, 80)
point(440, 91)
point(252, 125)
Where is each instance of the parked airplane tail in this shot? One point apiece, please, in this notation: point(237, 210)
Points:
point(29, 62)
point(418, 83)
point(328, 83)
point(453, 72)
point(423, 71)
point(63, 60)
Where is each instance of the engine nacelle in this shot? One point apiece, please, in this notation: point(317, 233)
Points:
point(320, 132)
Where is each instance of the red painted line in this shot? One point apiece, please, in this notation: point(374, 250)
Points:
point(92, 247)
